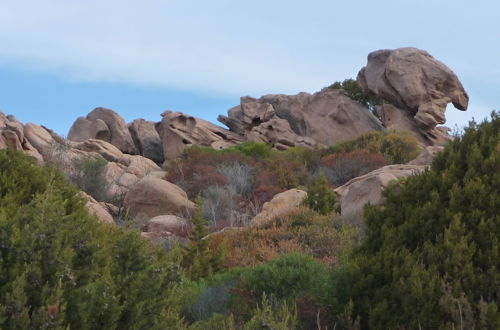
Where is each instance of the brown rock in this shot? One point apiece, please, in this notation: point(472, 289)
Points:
point(146, 139)
point(281, 204)
point(368, 188)
point(413, 82)
point(178, 131)
point(426, 156)
point(170, 223)
point(304, 119)
point(151, 197)
point(103, 124)
point(97, 209)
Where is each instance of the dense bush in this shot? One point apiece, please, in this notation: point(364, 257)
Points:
point(395, 147)
point(88, 175)
point(320, 196)
point(341, 167)
point(61, 268)
point(430, 258)
point(355, 92)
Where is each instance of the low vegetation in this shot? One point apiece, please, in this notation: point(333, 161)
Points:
point(428, 258)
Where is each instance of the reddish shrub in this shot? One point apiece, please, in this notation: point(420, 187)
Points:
point(343, 166)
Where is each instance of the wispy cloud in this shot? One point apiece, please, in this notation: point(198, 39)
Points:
point(230, 47)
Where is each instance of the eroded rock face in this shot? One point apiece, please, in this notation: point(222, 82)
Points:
point(426, 156)
point(12, 136)
point(178, 131)
point(281, 204)
point(356, 193)
point(322, 118)
point(97, 209)
point(146, 139)
point(103, 124)
point(417, 86)
point(151, 197)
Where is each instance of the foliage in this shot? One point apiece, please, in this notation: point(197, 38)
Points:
point(302, 230)
point(355, 92)
point(320, 196)
point(88, 175)
point(199, 258)
point(395, 147)
point(430, 257)
point(341, 167)
point(61, 268)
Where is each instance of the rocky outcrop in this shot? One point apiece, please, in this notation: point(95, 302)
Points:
point(95, 208)
point(322, 118)
point(280, 205)
point(103, 124)
point(147, 140)
point(12, 136)
point(151, 197)
point(178, 131)
point(426, 156)
point(417, 87)
point(169, 223)
point(356, 193)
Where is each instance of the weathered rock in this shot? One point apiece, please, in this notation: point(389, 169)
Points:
point(304, 119)
point(413, 82)
point(39, 137)
point(146, 139)
point(281, 204)
point(426, 156)
point(151, 197)
point(170, 223)
point(178, 131)
point(97, 209)
point(12, 136)
point(368, 188)
point(103, 148)
point(103, 124)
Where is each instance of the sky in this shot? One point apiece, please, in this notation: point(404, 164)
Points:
point(59, 59)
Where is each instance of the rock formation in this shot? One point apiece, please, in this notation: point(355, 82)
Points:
point(417, 88)
point(322, 118)
point(178, 131)
point(151, 197)
point(147, 140)
point(12, 136)
point(356, 193)
point(103, 124)
point(281, 204)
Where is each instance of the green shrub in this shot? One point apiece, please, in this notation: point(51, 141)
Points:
point(287, 277)
point(61, 268)
point(88, 175)
point(430, 257)
point(320, 196)
point(355, 92)
point(395, 147)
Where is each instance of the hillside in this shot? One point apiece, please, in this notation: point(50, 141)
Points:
point(185, 224)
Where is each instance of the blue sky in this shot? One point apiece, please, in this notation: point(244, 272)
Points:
point(59, 58)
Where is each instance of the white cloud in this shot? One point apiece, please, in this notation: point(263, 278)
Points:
point(234, 47)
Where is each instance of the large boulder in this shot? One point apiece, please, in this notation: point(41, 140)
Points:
point(169, 223)
point(323, 118)
point(356, 193)
point(178, 131)
point(12, 136)
point(414, 83)
point(103, 124)
point(280, 205)
point(95, 208)
point(146, 139)
point(151, 197)
point(426, 156)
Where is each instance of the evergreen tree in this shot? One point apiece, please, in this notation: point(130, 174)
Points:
point(431, 254)
point(61, 268)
